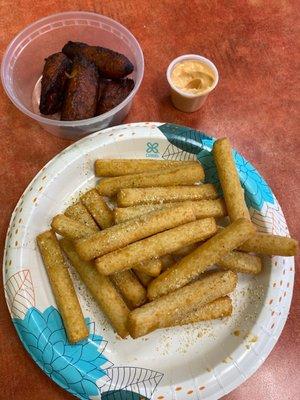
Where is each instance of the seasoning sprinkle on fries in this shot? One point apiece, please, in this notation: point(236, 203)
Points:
point(219, 308)
point(69, 228)
point(120, 235)
point(158, 195)
point(118, 167)
point(156, 246)
point(98, 208)
point(168, 309)
point(127, 283)
point(130, 288)
point(168, 177)
point(151, 267)
point(202, 209)
point(101, 288)
point(209, 253)
point(241, 262)
point(79, 213)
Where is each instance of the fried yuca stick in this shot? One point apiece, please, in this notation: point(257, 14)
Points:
point(229, 179)
point(118, 167)
point(69, 228)
point(129, 286)
point(263, 243)
point(168, 309)
point(234, 260)
point(157, 195)
point(202, 209)
point(150, 267)
point(101, 288)
point(169, 177)
point(210, 252)
point(98, 208)
point(79, 213)
point(62, 287)
point(131, 289)
point(219, 308)
point(144, 278)
point(241, 262)
point(122, 214)
point(120, 235)
point(155, 246)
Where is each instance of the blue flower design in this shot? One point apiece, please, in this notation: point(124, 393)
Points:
point(257, 190)
point(75, 367)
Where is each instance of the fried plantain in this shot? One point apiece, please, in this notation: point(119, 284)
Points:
point(110, 63)
point(112, 93)
point(82, 92)
point(54, 79)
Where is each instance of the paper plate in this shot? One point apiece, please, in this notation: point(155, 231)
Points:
point(201, 361)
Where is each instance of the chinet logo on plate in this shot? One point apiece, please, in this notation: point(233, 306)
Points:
point(152, 150)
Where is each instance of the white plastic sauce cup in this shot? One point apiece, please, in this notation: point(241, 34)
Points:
point(189, 102)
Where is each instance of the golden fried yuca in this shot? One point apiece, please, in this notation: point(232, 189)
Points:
point(218, 308)
point(166, 310)
point(241, 262)
point(69, 228)
point(62, 287)
point(132, 291)
point(202, 209)
point(209, 253)
point(98, 208)
point(118, 167)
point(157, 195)
point(229, 179)
point(187, 175)
point(120, 235)
point(263, 243)
point(155, 246)
point(150, 267)
point(101, 288)
point(79, 213)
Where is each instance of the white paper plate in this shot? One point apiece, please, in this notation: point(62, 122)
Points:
point(201, 361)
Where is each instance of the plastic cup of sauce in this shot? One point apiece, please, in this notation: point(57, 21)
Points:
point(191, 78)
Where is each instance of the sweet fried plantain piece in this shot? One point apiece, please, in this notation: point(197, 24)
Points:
point(112, 93)
point(110, 63)
point(82, 92)
point(56, 68)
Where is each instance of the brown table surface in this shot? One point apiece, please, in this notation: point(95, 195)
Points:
point(254, 45)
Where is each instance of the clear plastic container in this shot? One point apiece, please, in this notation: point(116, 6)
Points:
point(23, 63)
